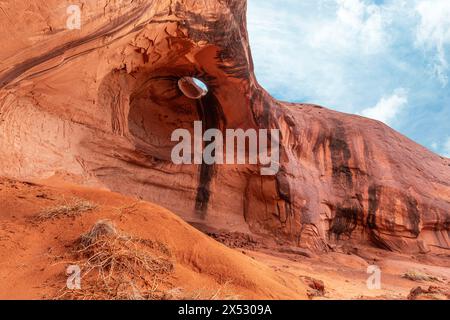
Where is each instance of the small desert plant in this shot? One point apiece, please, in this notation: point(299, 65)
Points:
point(69, 208)
point(116, 266)
point(107, 250)
point(119, 266)
point(127, 208)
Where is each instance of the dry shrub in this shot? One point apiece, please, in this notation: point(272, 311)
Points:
point(126, 209)
point(119, 267)
point(418, 276)
point(71, 208)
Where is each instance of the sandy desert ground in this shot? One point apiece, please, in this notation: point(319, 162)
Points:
point(41, 226)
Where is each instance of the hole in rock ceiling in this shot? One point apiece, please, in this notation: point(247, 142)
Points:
point(192, 88)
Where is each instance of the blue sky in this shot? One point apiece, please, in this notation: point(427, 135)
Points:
point(384, 59)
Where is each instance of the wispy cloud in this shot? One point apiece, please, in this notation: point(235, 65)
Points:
point(433, 33)
point(357, 25)
point(446, 148)
point(388, 108)
point(353, 55)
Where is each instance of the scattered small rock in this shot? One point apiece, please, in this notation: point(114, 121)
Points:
point(235, 240)
point(432, 293)
point(317, 286)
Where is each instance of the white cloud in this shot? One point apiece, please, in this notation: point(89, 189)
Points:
point(433, 33)
point(446, 148)
point(387, 109)
point(434, 146)
point(442, 147)
point(347, 54)
point(357, 26)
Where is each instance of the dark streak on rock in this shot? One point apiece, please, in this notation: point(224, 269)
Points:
point(340, 156)
point(284, 192)
point(210, 112)
point(345, 221)
point(373, 207)
point(284, 189)
point(255, 100)
point(231, 58)
point(413, 215)
point(374, 196)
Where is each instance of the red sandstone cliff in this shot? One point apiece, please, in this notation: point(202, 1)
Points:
point(99, 105)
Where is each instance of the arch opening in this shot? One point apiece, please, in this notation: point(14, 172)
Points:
point(192, 88)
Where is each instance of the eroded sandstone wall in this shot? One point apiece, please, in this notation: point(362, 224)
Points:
point(100, 103)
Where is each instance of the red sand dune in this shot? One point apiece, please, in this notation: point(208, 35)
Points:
point(33, 253)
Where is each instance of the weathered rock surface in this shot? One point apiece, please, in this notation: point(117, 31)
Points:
point(432, 293)
point(99, 105)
